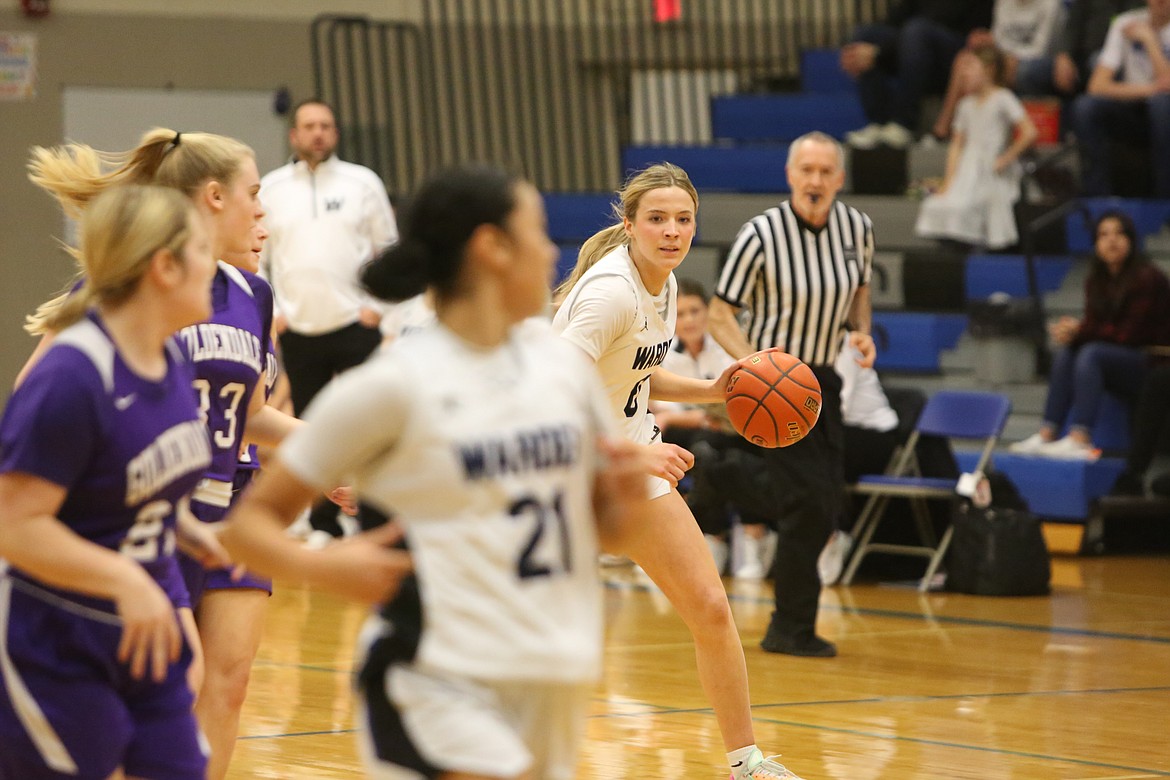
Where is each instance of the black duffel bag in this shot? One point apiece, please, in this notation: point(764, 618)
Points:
point(997, 551)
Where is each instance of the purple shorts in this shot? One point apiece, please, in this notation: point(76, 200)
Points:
point(69, 708)
point(199, 579)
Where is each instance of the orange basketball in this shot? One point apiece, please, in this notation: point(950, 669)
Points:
point(773, 399)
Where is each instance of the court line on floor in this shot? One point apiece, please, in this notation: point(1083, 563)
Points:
point(916, 740)
point(855, 732)
point(325, 733)
point(659, 709)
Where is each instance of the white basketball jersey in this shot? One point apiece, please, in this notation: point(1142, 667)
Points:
point(487, 457)
point(632, 355)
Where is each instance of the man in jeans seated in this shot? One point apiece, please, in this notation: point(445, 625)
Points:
point(1128, 97)
point(898, 63)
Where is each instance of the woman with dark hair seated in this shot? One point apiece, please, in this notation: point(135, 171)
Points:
point(1127, 303)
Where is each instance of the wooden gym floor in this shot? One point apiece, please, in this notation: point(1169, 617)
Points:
point(1074, 686)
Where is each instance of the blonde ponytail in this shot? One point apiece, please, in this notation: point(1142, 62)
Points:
point(75, 174)
point(62, 311)
point(38, 323)
point(120, 232)
point(596, 247)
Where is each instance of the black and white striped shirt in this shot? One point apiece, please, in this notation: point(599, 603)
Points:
point(797, 282)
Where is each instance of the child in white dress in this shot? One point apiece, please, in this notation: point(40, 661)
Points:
point(975, 204)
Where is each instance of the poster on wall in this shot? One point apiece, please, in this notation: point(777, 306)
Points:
point(18, 65)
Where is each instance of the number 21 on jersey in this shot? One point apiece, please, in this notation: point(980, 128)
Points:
point(548, 524)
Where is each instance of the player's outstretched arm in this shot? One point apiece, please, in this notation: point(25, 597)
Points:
point(668, 386)
point(363, 568)
point(267, 426)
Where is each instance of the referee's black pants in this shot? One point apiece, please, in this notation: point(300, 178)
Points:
point(809, 482)
point(311, 362)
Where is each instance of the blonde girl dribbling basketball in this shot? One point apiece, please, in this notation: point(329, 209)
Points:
point(618, 306)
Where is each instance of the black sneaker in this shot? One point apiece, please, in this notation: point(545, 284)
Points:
point(811, 647)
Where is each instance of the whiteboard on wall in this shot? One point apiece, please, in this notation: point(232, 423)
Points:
point(114, 119)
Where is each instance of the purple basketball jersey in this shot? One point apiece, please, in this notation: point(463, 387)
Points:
point(127, 450)
point(229, 352)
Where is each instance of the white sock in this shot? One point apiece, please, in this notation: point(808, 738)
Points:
point(737, 759)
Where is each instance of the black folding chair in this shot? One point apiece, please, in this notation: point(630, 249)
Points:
point(952, 414)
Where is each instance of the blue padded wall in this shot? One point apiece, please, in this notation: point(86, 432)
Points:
point(820, 72)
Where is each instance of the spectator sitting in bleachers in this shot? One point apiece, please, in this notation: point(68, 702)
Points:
point(1128, 97)
point(899, 62)
point(974, 206)
point(1024, 30)
point(1080, 41)
point(1126, 304)
point(694, 353)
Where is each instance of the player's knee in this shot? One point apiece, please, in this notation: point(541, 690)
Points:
point(228, 682)
point(710, 609)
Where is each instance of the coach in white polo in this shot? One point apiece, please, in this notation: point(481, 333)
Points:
point(802, 271)
point(326, 219)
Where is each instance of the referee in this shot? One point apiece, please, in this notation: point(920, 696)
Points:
point(801, 270)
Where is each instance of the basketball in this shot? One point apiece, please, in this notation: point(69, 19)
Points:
point(773, 399)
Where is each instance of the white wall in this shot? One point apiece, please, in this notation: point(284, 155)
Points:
point(114, 118)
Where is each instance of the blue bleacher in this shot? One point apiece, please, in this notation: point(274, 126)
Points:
point(566, 259)
point(1148, 215)
point(783, 117)
point(720, 168)
point(575, 216)
point(987, 274)
point(1054, 489)
point(912, 341)
point(820, 73)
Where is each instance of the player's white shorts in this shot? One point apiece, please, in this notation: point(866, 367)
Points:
point(657, 487)
point(428, 724)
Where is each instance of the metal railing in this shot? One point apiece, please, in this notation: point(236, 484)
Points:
point(555, 88)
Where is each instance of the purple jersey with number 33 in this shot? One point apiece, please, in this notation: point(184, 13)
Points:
point(229, 353)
